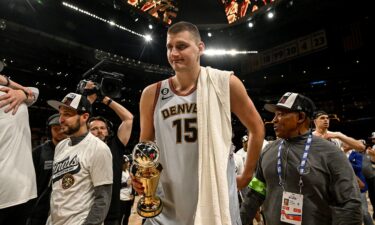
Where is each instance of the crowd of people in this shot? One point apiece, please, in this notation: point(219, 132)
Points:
point(81, 175)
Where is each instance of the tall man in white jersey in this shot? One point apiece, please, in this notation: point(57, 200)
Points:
point(82, 168)
point(188, 115)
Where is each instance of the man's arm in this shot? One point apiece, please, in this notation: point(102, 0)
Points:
point(15, 95)
point(244, 109)
point(351, 142)
point(101, 176)
point(146, 109)
point(254, 197)
point(344, 191)
point(125, 128)
point(99, 210)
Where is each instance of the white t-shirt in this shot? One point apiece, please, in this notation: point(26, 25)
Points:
point(17, 173)
point(242, 154)
point(76, 171)
point(126, 192)
point(239, 163)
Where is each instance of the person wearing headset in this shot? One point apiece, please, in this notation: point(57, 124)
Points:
point(43, 160)
point(101, 128)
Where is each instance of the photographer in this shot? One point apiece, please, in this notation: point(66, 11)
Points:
point(101, 128)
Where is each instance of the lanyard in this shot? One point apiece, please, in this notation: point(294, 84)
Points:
point(301, 167)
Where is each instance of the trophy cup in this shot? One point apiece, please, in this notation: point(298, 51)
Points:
point(147, 170)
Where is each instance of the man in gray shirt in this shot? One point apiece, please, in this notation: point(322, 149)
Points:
point(301, 178)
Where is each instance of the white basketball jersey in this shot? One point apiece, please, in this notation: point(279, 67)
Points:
point(175, 122)
point(176, 130)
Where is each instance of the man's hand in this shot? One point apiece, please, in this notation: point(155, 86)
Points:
point(13, 99)
point(92, 98)
point(242, 181)
point(137, 185)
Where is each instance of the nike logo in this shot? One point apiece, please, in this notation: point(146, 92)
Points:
point(163, 98)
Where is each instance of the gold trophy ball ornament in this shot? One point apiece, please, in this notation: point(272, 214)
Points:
point(147, 170)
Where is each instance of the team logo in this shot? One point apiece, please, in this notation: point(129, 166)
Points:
point(67, 181)
point(164, 91)
point(69, 165)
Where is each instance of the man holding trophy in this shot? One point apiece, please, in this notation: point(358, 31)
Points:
point(189, 118)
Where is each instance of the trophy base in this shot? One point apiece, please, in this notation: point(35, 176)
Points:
point(151, 210)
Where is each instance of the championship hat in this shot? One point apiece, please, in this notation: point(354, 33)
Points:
point(75, 101)
point(293, 102)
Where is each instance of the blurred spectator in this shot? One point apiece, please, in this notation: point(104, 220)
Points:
point(321, 121)
point(43, 160)
point(126, 193)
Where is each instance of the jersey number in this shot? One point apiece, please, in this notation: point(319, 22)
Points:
point(189, 130)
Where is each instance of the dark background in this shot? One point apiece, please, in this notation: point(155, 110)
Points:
point(46, 44)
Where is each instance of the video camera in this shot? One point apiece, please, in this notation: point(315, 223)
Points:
point(106, 84)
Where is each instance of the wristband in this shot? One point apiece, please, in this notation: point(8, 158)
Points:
point(109, 102)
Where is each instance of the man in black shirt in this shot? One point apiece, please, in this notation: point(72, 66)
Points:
point(43, 159)
point(101, 128)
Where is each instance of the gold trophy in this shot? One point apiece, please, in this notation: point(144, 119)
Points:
point(147, 170)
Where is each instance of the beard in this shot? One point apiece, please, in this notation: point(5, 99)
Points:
point(71, 129)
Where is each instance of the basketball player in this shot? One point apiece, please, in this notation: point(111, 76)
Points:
point(173, 113)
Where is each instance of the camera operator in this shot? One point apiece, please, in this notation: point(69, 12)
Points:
point(101, 128)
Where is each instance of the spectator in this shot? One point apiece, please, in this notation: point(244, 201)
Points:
point(116, 141)
point(82, 168)
point(43, 160)
point(314, 175)
point(126, 193)
point(321, 122)
point(17, 174)
point(356, 159)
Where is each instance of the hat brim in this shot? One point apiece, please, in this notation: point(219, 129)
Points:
point(56, 104)
point(272, 107)
point(54, 121)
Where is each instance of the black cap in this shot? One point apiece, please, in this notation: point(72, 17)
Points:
point(53, 120)
point(74, 101)
point(294, 102)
